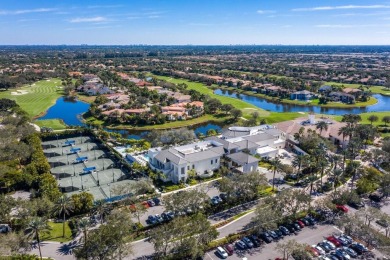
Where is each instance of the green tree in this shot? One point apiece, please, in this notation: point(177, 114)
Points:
point(236, 113)
point(373, 118)
point(63, 206)
point(82, 202)
point(386, 120)
point(275, 165)
point(322, 125)
point(36, 226)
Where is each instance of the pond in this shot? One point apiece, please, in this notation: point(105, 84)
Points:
point(382, 105)
point(138, 134)
point(68, 110)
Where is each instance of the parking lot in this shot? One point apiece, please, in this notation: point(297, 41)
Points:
point(80, 164)
point(309, 235)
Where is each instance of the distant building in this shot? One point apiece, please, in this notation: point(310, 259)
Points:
point(341, 97)
point(303, 95)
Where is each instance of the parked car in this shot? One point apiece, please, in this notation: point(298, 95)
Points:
point(229, 249)
point(167, 215)
point(223, 196)
point(151, 203)
point(305, 221)
point(358, 247)
point(342, 240)
point(332, 257)
point(297, 226)
point(330, 244)
point(266, 237)
point(222, 253)
point(325, 247)
point(337, 256)
point(342, 208)
point(284, 230)
point(311, 220)
point(341, 252)
point(156, 201)
point(214, 201)
point(350, 252)
point(159, 218)
point(375, 197)
point(279, 233)
point(152, 220)
point(334, 240)
point(320, 250)
point(348, 238)
point(356, 205)
point(314, 252)
point(274, 236)
point(240, 245)
point(255, 240)
point(247, 242)
point(300, 223)
point(217, 198)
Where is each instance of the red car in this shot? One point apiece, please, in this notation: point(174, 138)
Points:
point(314, 252)
point(342, 208)
point(334, 240)
point(300, 223)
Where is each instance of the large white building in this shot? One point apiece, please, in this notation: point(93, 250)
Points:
point(202, 157)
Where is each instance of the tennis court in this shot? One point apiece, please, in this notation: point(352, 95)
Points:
point(80, 164)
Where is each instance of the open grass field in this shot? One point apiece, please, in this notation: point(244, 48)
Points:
point(365, 116)
point(55, 233)
point(247, 109)
point(38, 97)
point(374, 89)
point(55, 124)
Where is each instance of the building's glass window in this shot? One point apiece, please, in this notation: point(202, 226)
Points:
point(212, 161)
point(216, 160)
point(188, 167)
point(193, 166)
point(182, 170)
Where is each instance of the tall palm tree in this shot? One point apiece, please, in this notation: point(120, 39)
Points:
point(300, 161)
point(354, 166)
point(101, 208)
point(63, 206)
point(337, 173)
point(83, 226)
point(34, 227)
point(322, 125)
point(275, 165)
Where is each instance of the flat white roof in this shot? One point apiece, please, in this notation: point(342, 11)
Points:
point(265, 150)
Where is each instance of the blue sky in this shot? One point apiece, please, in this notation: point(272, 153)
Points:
point(195, 22)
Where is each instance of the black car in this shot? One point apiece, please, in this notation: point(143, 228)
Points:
point(359, 249)
point(291, 228)
point(297, 227)
point(223, 196)
point(284, 230)
point(311, 220)
point(375, 197)
point(325, 246)
point(306, 222)
point(274, 236)
point(356, 205)
point(157, 201)
point(255, 240)
point(279, 233)
point(266, 237)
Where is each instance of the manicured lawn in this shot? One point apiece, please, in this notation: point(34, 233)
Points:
point(169, 125)
point(39, 97)
point(55, 124)
point(86, 98)
point(374, 89)
point(246, 108)
point(365, 117)
point(56, 233)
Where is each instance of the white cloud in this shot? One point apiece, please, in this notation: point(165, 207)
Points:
point(96, 19)
point(27, 11)
point(265, 11)
point(340, 7)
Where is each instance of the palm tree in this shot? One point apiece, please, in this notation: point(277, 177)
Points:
point(102, 209)
point(64, 206)
point(337, 173)
point(300, 161)
point(354, 166)
point(83, 226)
point(322, 125)
point(34, 227)
point(274, 167)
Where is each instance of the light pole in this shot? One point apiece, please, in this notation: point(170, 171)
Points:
point(57, 141)
point(112, 174)
point(67, 159)
point(71, 179)
point(74, 170)
point(82, 186)
point(97, 175)
point(94, 153)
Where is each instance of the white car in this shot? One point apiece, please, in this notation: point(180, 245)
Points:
point(222, 253)
point(319, 249)
point(330, 244)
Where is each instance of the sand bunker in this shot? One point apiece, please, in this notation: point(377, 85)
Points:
point(19, 92)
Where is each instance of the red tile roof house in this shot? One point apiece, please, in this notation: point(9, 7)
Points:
point(174, 113)
point(353, 91)
point(184, 110)
point(119, 112)
point(88, 77)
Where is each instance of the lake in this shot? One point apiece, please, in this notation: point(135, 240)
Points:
point(382, 105)
point(68, 110)
point(138, 134)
